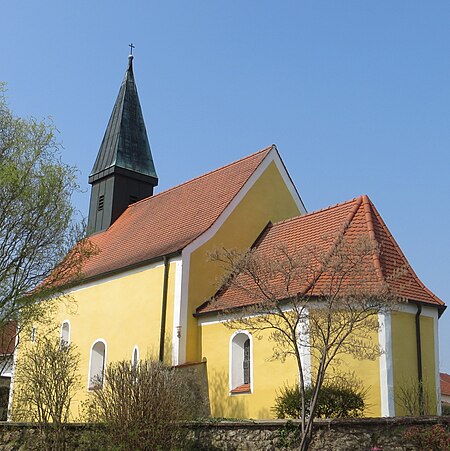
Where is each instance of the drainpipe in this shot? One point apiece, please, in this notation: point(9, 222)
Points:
point(164, 308)
point(419, 359)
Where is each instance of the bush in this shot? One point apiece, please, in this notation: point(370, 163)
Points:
point(336, 400)
point(416, 398)
point(445, 409)
point(46, 382)
point(142, 407)
point(434, 438)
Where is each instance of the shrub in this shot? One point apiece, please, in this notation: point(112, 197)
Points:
point(46, 382)
point(445, 409)
point(434, 438)
point(142, 407)
point(416, 398)
point(336, 400)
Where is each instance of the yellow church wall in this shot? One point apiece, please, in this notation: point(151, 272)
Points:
point(268, 376)
point(404, 356)
point(367, 372)
point(267, 200)
point(124, 311)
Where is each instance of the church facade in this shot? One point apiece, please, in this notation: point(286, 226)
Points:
point(144, 294)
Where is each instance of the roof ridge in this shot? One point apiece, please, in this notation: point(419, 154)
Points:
point(266, 149)
point(402, 255)
point(343, 230)
point(296, 218)
point(368, 207)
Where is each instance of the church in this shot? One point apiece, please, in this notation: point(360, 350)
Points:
point(145, 293)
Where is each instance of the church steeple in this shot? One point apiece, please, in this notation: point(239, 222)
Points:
point(124, 171)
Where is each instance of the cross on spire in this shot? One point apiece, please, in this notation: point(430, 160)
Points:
point(131, 48)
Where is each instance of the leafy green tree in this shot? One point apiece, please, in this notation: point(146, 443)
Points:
point(37, 220)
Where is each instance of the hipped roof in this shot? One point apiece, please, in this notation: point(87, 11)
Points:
point(167, 222)
point(353, 218)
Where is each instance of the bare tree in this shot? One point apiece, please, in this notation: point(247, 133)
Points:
point(46, 382)
point(142, 406)
point(325, 301)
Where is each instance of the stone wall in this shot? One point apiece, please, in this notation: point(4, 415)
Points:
point(332, 435)
point(384, 434)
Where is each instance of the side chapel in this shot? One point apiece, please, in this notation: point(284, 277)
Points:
point(144, 293)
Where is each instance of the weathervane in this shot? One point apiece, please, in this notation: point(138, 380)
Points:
point(131, 48)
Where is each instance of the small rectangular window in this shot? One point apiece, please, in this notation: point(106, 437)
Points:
point(101, 200)
point(33, 334)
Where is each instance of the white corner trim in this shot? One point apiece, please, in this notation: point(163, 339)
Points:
point(13, 374)
point(176, 326)
point(437, 363)
point(386, 365)
point(305, 349)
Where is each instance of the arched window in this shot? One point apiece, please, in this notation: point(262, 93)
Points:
point(241, 363)
point(97, 365)
point(135, 357)
point(33, 334)
point(65, 334)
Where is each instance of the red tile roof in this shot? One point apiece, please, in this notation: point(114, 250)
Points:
point(8, 338)
point(445, 384)
point(166, 222)
point(354, 218)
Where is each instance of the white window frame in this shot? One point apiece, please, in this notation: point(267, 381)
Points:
point(33, 334)
point(98, 340)
point(61, 339)
point(135, 350)
point(231, 365)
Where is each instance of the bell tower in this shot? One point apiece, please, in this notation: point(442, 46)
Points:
point(123, 172)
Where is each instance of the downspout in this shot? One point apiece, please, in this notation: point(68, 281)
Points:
point(419, 359)
point(164, 308)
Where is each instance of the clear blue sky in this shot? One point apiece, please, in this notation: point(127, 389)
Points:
point(356, 95)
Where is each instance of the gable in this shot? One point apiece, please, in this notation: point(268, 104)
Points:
point(165, 223)
point(268, 195)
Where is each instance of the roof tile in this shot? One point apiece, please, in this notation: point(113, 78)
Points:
point(168, 221)
point(355, 218)
point(445, 384)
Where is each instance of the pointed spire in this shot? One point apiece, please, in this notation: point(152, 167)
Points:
point(124, 171)
point(125, 143)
